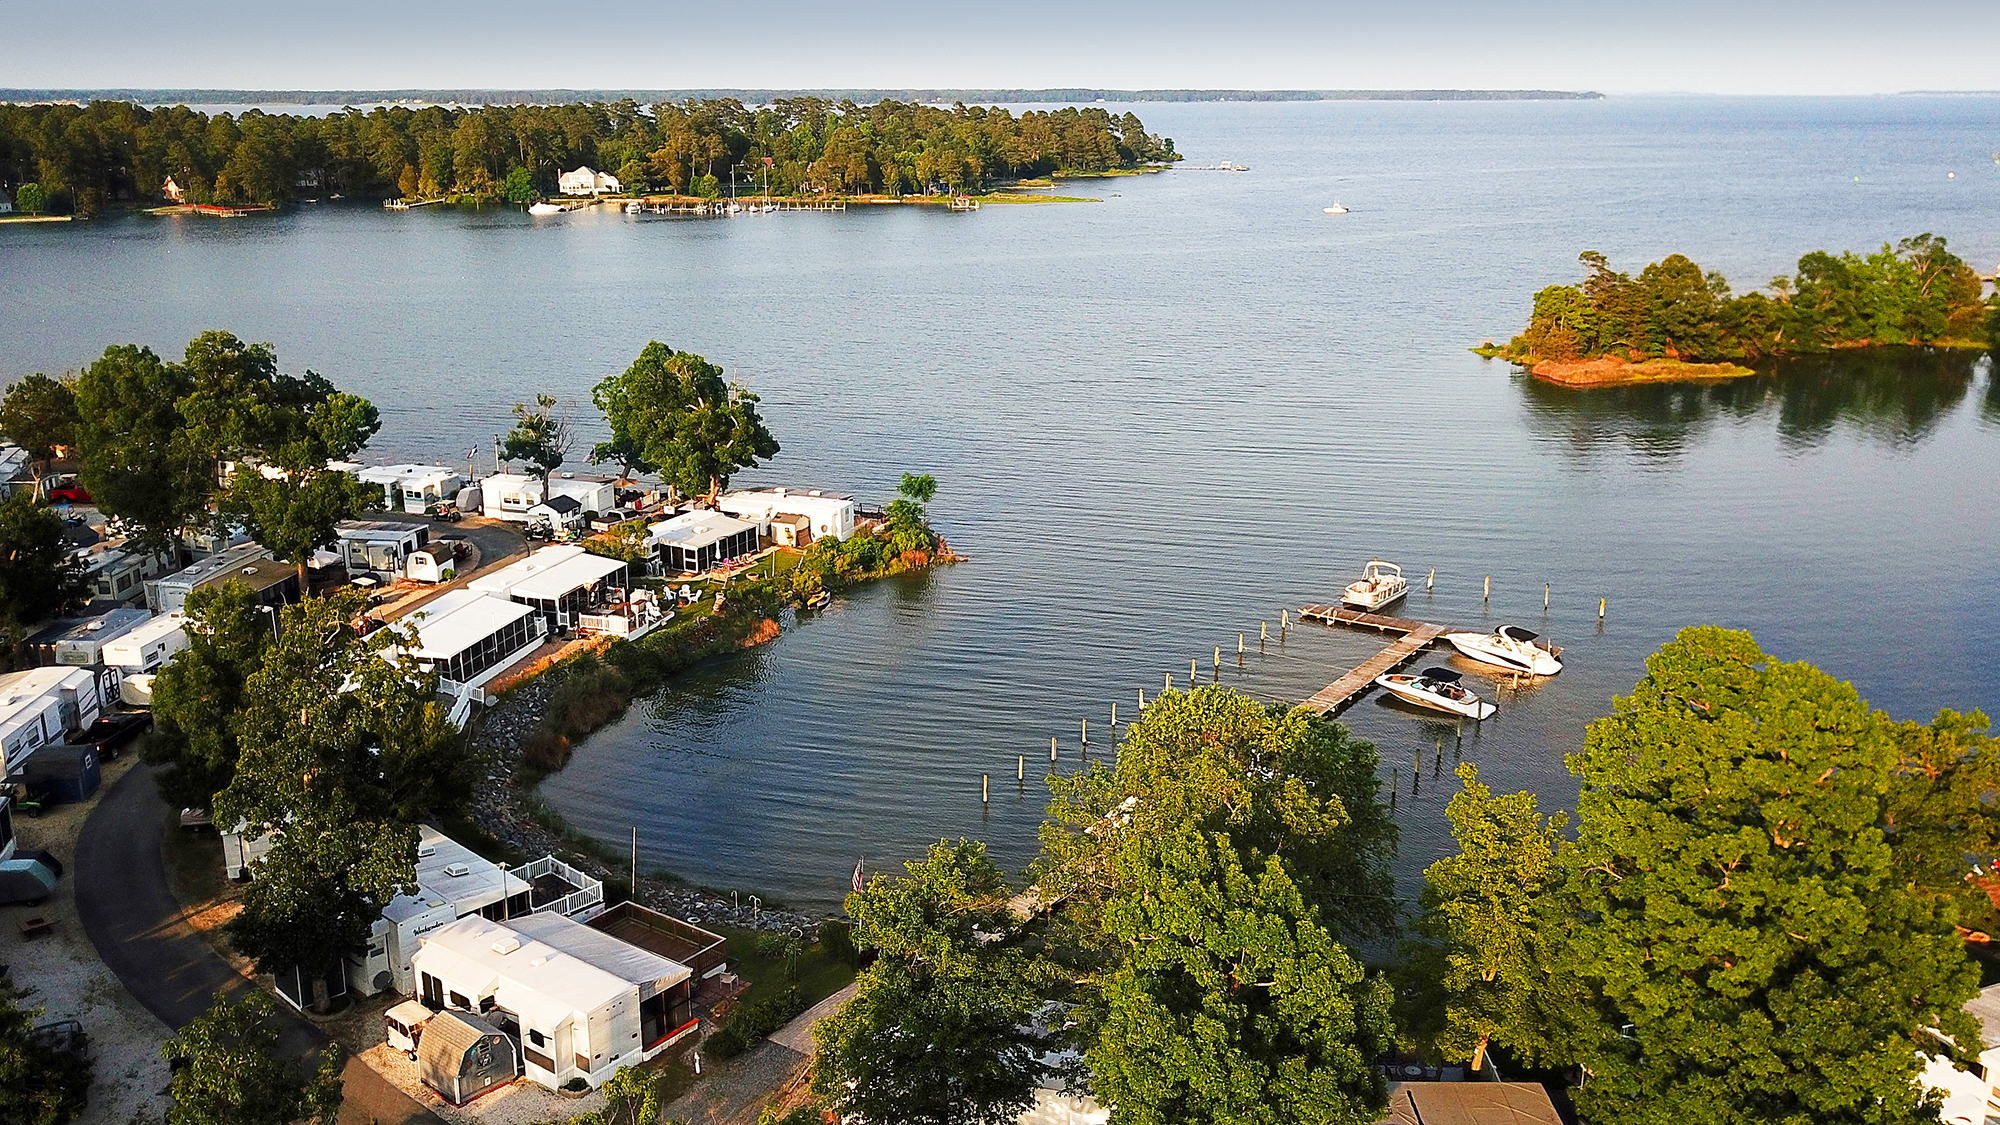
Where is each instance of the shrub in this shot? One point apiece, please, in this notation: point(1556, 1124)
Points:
point(545, 750)
point(726, 1042)
point(837, 938)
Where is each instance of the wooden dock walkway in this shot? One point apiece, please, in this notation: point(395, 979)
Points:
point(1416, 637)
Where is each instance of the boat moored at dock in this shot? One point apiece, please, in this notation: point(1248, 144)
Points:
point(1382, 584)
point(1510, 647)
point(1439, 690)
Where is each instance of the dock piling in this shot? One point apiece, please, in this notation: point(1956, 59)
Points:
point(1600, 609)
point(985, 797)
point(1239, 644)
point(1431, 579)
point(1218, 656)
point(1263, 631)
point(1114, 716)
point(1086, 732)
point(1545, 596)
point(1021, 768)
point(1052, 751)
point(1488, 595)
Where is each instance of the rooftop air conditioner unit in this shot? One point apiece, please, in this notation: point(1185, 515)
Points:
point(457, 869)
point(506, 945)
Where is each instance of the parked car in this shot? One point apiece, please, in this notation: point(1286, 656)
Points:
point(69, 492)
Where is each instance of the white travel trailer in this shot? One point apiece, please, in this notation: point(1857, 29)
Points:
point(379, 546)
point(145, 649)
point(41, 706)
point(508, 496)
point(793, 517)
point(415, 489)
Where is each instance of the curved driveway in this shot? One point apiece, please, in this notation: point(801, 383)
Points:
point(127, 908)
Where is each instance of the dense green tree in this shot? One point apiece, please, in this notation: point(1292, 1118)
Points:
point(1750, 945)
point(519, 187)
point(135, 456)
point(672, 413)
point(39, 415)
point(1487, 910)
point(541, 436)
point(197, 694)
point(340, 752)
point(941, 1030)
point(1211, 874)
point(907, 523)
point(30, 197)
point(39, 577)
point(41, 1082)
point(631, 1097)
point(229, 1070)
point(1940, 815)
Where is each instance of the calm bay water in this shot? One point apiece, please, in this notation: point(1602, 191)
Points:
point(1160, 418)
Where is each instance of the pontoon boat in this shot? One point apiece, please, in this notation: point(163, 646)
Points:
point(1383, 584)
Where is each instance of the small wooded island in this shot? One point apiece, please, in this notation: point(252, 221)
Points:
point(1675, 321)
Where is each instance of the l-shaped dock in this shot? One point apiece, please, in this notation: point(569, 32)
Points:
point(1416, 636)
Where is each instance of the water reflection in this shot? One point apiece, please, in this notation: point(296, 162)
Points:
point(1895, 396)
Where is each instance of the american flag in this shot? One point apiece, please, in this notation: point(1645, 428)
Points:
point(857, 872)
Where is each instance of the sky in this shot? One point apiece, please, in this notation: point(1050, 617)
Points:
point(1612, 46)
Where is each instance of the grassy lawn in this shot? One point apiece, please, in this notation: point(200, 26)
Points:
point(818, 974)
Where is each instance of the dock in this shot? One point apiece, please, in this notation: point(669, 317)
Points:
point(1415, 636)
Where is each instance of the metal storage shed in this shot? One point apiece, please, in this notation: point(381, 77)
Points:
point(59, 774)
point(462, 1056)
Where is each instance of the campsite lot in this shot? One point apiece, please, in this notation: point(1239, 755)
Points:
point(70, 982)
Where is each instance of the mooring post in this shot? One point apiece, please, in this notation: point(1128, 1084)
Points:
point(1142, 699)
point(1284, 619)
point(1545, 595)
point(985, 798)
point(1114, 716)
point(1218, 656)
point(1086, 732)
point(1052, 750)
point(1263, 631)
point(1600, 609)
point(1021, 768)
point(1170, 682)
point(1194, 669)
point(1431, 579)
point(1488, 595)
point(1239, 644)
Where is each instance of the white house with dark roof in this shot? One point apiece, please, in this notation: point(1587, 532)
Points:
point(585, 181)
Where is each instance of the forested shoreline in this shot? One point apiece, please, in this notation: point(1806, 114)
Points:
point(85, 158)
point(1916, 293)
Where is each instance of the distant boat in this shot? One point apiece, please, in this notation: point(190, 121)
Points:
point(634, 207)
point(1336, 209)
point(544, 208)
point(1438, 689)
point(1227, 166)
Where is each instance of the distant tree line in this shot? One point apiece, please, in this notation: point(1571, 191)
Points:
point(1914, 293)
point(87, 157)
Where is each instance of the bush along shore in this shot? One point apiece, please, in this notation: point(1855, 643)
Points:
point(532, 732)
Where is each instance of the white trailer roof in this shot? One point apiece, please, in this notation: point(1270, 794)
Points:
point(438, 857)
point(472, 950)
point(458, 620)
point(138, 638)
point(396, 474)
point(620, 958)
point(503, 581)
point(695, 530)
point(573, 573)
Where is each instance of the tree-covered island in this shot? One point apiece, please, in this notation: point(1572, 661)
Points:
point(1677, 321)
point(88, 158)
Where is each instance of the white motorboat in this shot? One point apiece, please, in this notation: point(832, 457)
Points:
point(1438, 689)
point(634, 207)
point(544, 208)
point(1382, 584)
point(1336, 209)
point(1510, 647)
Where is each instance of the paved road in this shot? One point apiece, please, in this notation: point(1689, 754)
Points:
point(126, 907)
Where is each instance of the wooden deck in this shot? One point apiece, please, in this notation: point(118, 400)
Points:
point(1416, 637)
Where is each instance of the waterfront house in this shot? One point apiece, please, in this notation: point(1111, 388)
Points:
point(146, 648)
point(1969, 1095)
point(581, 1002)
point(584, 181)
point(777, 513)
point(415, 489)
point(508, 496)
point(173, 191)
point(697, 541)
point(562, 582)
point(468, 637)
point(453, 881)
point(274, 583)
point(42, 706)
point(378, 547)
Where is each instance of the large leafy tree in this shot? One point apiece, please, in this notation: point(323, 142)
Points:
point(228, 1070)
point(38, 574)
point(197, 694)
point(42, 1082)
point(39, 415)
point(340, 753)
point(941, 1030)
point(1751, 945)
point(672, 413)
point(1212, 872)
point(136, 457)
point(1487, 911)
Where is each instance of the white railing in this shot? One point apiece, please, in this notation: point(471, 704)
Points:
point(583, 904)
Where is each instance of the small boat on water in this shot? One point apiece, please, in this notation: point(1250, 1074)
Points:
point(1438, 689)
point(1510, 647)
point(1336, 209)
point(1382, 584)
point(819, 600)
point(545, 208)
point(634, 207)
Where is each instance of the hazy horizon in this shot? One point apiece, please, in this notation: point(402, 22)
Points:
point(1701, 47)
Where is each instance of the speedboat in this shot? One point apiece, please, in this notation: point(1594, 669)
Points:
point(634, 207)
point(544, 208)
point(1510, 647)
point(1336, 209)
point(1438, 689)
point(1383, 584)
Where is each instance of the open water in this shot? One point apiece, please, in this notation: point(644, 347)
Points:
point(1161, 418)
